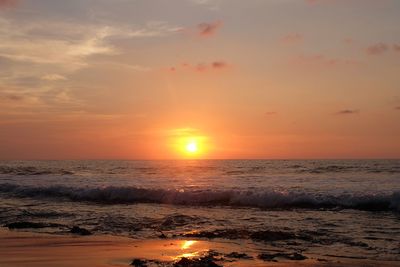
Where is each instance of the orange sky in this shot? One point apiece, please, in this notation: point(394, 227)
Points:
point(123, 79)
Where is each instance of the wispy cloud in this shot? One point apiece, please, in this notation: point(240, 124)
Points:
point(53, 77)
point(347, 112)
point(270, 113)
point(201, 67)
point(208, 29)
point(219, 65)
point(68, 51)
point(382, 48)
point(377, 49)
point(12, 97)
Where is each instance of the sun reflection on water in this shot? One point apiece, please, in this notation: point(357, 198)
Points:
point(187, 244)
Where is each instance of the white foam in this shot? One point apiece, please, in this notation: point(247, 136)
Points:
point(264, 199)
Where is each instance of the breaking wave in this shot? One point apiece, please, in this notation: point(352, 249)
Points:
point(263, 199)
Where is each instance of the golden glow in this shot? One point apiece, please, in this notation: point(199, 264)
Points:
point(188, 143)
point(188, 244)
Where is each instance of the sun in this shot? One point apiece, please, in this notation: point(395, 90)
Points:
point(192, 147)
point(188, 144)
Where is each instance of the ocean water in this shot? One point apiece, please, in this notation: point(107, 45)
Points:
point(339, 208)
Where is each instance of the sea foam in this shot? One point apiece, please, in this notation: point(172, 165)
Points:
point(235, 198)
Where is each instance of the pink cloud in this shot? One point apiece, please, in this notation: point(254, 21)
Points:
point(208, 29)
point(377, 49)
point(396, 47)
point(201, 67)
point(292, 38)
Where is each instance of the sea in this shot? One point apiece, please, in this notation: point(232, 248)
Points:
point(337, 208)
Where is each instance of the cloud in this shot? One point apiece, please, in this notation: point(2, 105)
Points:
point(201, 67)
point(381, 48)
point(53, 77)
point(377, 49)
point(292, 38)
point(13, 97)
point(65, 53)
point(271, 113)
point(56, 49)
point(397, 108)
point(347, 112)
point(208, 29)
point(219, 65)
point(76, 43)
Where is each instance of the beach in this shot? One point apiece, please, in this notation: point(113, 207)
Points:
point(229, 213)
point(43, 250)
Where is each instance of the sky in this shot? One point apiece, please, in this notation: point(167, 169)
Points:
point(136, 79)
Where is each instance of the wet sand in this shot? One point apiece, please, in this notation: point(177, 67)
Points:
point(43, 250)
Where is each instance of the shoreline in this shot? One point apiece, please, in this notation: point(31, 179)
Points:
point(20, 248)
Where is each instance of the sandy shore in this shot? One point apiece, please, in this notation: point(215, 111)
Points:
point(41, 250)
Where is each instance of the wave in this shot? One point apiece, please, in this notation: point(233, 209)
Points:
point(30, 170)
point(265, 199)
point(346, 169)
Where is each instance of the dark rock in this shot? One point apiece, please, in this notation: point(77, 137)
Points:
point(201, 262)
point(297, 257)
point(271, 257)
point(80, 231)
point(32, 225)
point(213, 253)
point(139, 263)
point(221, 233)
point(162, 236)
point(237, 255)
point(266, 256)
